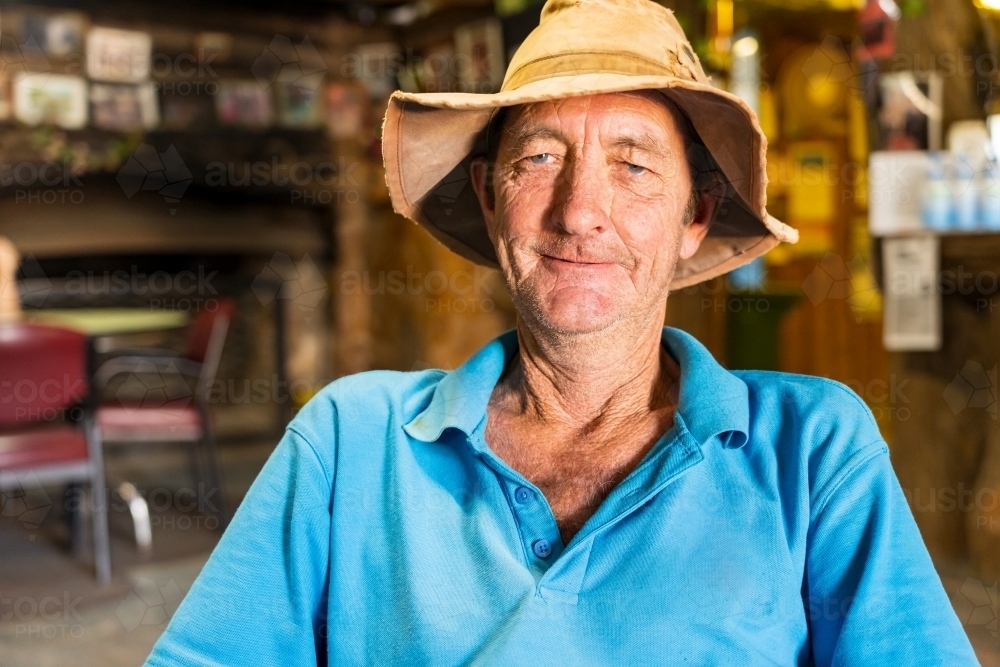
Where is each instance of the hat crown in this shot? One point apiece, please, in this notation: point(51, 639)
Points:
point(632, 37)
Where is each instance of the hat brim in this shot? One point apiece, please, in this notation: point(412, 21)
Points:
point(429, 139)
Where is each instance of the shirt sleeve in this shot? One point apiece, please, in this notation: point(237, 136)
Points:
point(261, 598)
point(872, 595)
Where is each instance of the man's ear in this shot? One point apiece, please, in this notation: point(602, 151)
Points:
point(479, 171)
point(696, 231)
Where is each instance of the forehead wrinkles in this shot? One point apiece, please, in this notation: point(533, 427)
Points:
point(649, 126)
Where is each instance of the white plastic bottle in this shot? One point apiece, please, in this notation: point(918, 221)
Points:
point(936, 206)
point(966, 195)
point(989, 199)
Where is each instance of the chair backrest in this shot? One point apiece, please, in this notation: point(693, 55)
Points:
point(206, 338)
point(203, 325)
point(43, 370)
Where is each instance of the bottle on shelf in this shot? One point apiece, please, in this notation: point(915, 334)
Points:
point(989, 206)
point(936, 206)
point(965, 187)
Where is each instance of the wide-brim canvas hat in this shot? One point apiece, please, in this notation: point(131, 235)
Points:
point(582, 47)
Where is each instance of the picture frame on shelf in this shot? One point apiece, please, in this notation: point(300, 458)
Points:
point(60, 99)
point(57, 34)
point(124, 107)
point(479, 56)
point(244, 103)
point(344, 109)
point(299, 106)
point(121, 56)
point(910, 111)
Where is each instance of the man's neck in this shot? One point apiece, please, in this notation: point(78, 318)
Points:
point(592, 381)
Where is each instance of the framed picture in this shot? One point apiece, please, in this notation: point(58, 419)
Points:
point(118, 55)
point(59, 35)
point(479, 56)
point(438, 71)
point(299, 106)
point(59, 99)
point(245, 103)
point(344, 110)
point(909, 111)
point(124, 107)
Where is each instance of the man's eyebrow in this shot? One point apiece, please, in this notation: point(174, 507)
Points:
point(519, 139)
point(643, 142)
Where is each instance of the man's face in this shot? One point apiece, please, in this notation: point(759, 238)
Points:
point(588, 221)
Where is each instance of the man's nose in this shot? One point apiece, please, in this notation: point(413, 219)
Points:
point(582, 197)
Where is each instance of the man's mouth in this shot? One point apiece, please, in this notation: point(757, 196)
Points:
point(579, 261)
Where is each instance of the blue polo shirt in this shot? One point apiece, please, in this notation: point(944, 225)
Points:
point(766, 527)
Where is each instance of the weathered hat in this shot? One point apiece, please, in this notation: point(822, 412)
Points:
point(582, 47)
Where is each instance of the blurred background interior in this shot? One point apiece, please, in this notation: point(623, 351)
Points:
point(195, 237)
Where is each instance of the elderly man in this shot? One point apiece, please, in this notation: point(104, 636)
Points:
point(592, 488)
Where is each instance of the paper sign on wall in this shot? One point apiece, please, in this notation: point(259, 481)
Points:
point(912, 298)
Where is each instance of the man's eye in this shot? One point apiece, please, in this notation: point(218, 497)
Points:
point(634, 168)
point(541, 158)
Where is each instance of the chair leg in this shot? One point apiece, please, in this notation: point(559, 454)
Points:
point(102, 545)
point(195, 462)
point(212, 466)
point(74, 518)
point(214, 479)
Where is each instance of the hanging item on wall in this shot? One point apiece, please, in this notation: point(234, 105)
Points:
point(118, 55)
point(479, 56)
point(877, 27)
point(814, 85)
point(59, 99)
point(59, 35)
point(910, 113)
point(124, 107)
point(438, 72)
point(243, 103)
point(912, 300)
point(299, 106)
point(344, 110)
point(811, 194)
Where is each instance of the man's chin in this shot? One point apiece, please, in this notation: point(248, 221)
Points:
point(576, 318)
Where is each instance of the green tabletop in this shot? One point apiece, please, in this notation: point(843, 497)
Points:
point(108, 321)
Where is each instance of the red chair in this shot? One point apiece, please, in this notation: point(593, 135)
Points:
point(43, 387)
point(155, 403)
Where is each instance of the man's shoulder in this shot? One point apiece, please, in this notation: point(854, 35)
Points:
point(822, 423)
point(803, 393)
point(366, 400)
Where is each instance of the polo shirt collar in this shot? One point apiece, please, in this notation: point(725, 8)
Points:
point(712, 401)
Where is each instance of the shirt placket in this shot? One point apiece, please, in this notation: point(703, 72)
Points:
point(557, 568)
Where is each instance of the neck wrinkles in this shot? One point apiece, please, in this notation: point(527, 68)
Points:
point(589, 380)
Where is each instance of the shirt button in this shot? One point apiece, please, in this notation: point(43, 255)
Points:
point(523, 495)
point(542, 548)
